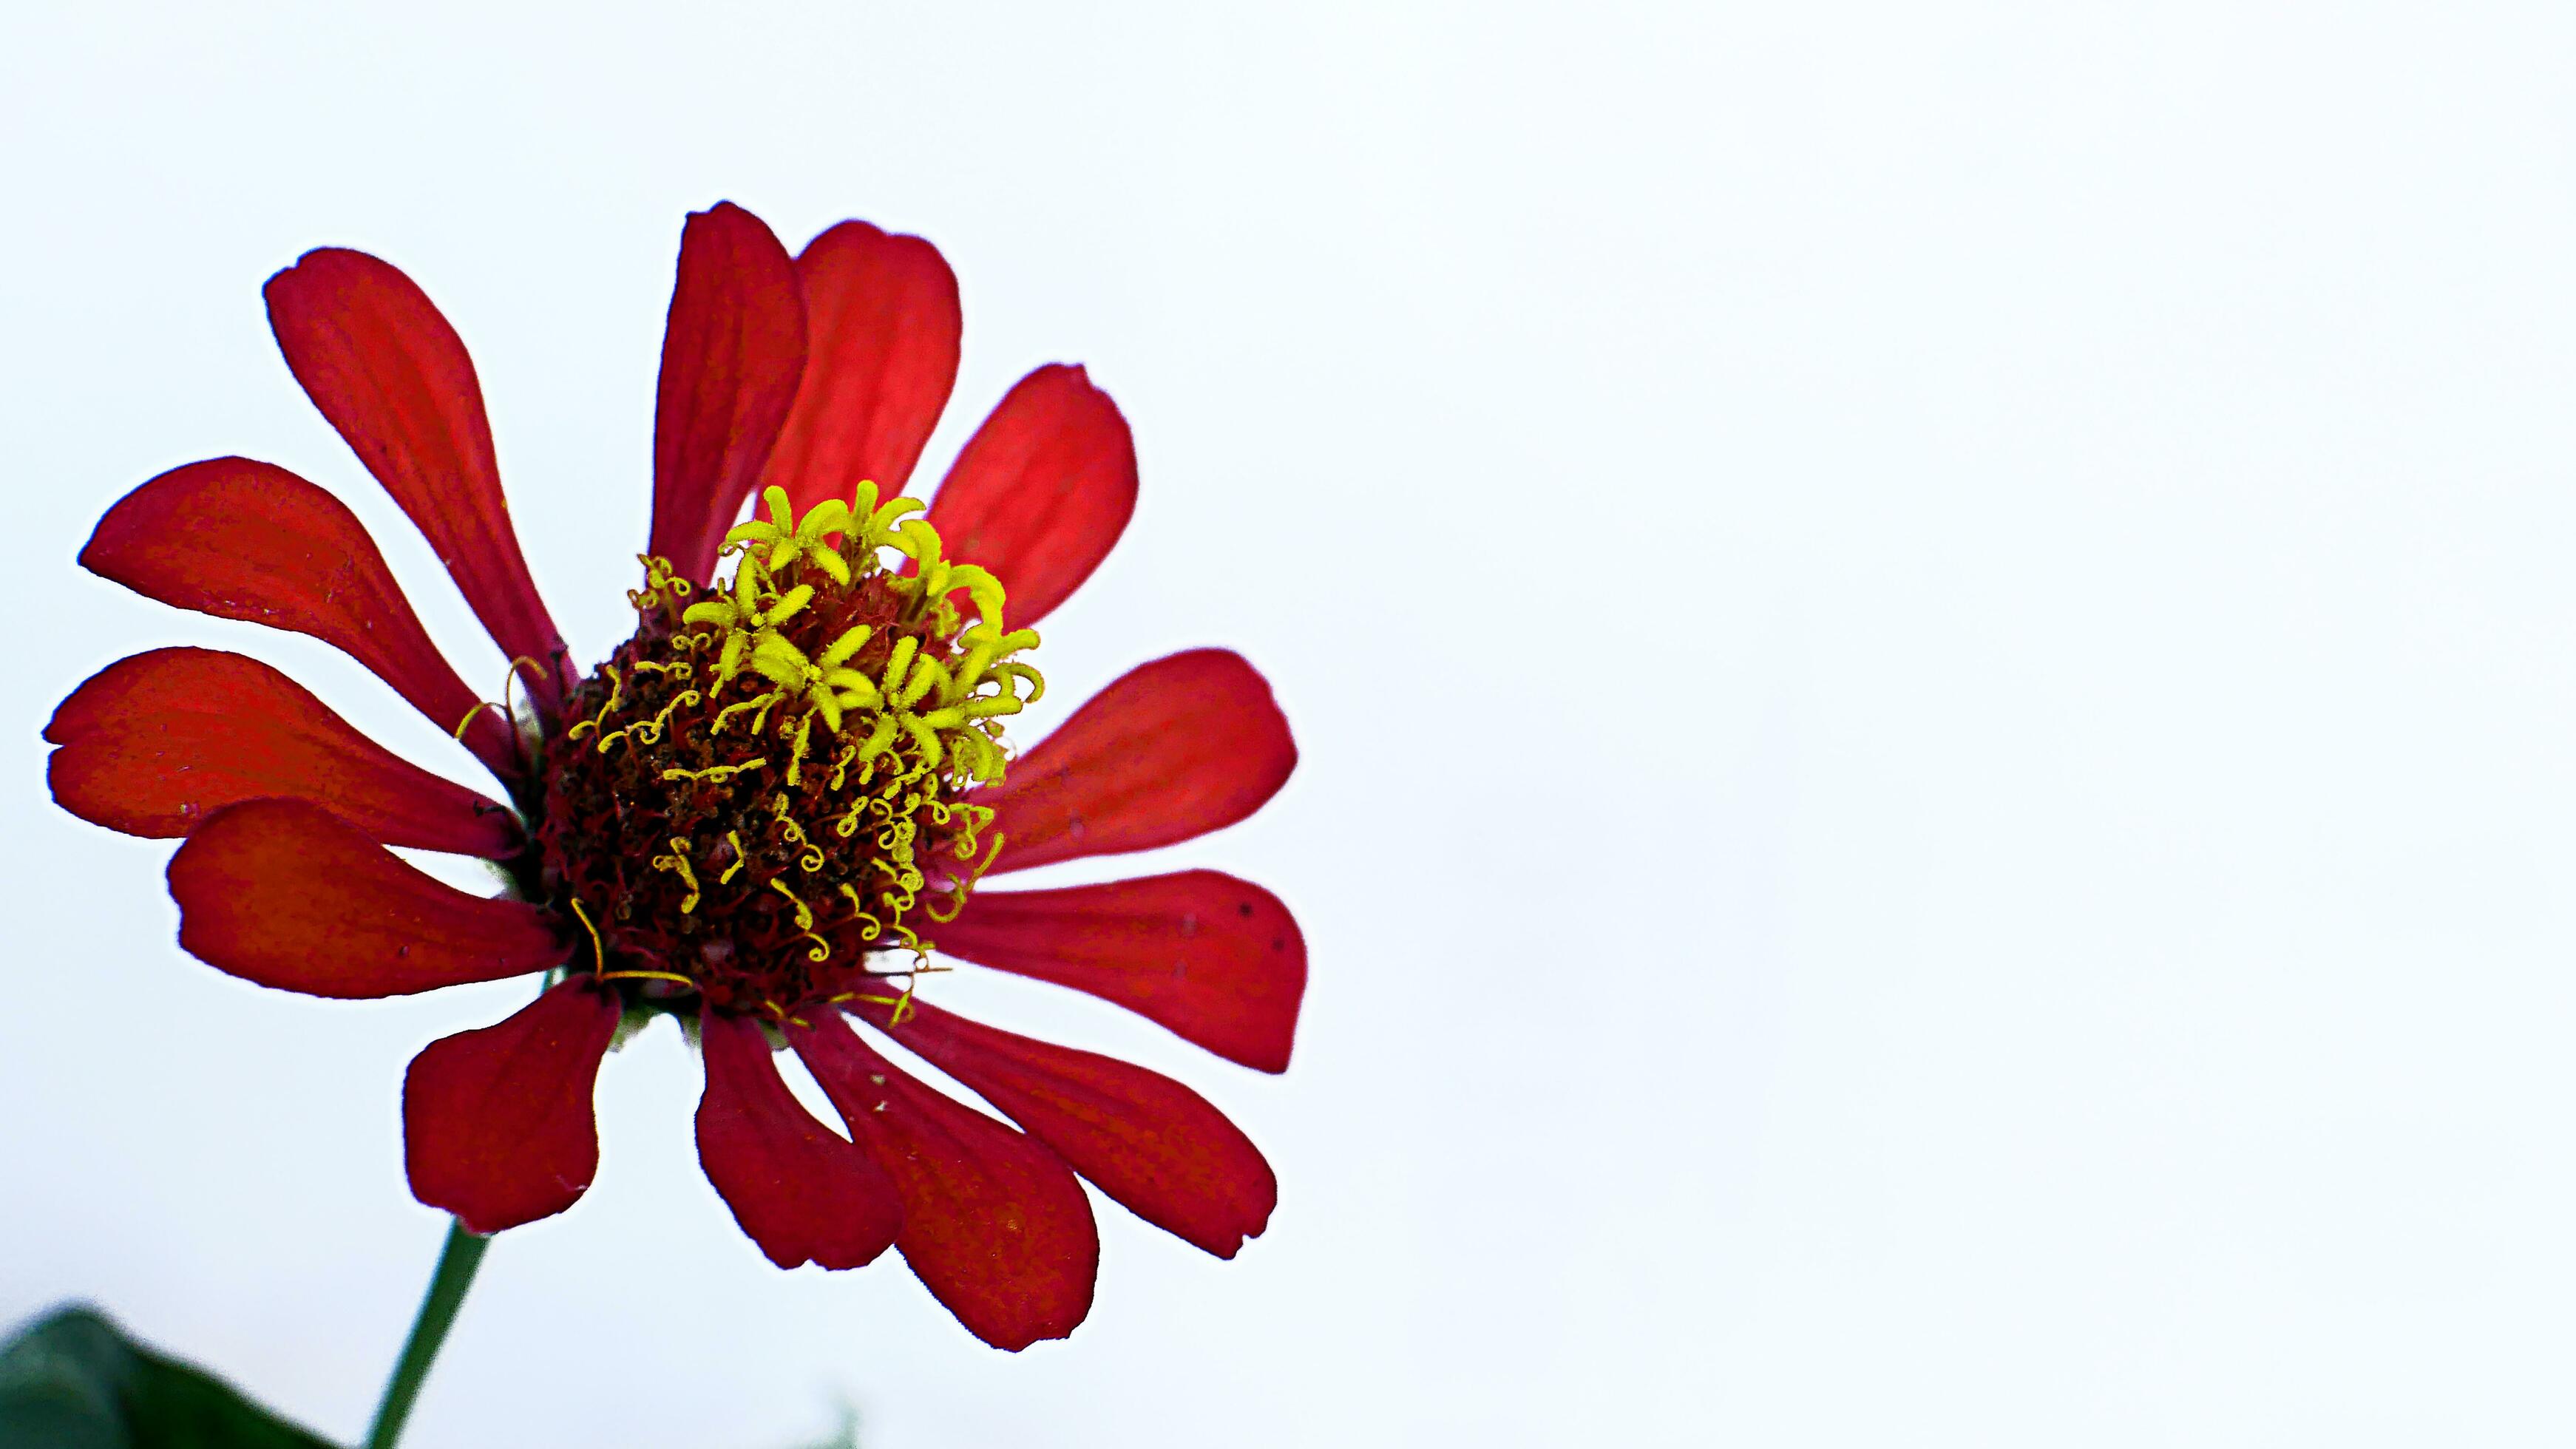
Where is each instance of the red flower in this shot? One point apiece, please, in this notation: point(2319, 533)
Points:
point(762, 812)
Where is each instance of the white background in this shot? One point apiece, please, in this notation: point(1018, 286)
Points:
point(1932, 645)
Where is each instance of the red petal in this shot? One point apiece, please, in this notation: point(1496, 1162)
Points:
point(802, 1193)
point(497, 1123)
point(1041, 491)
point(1148, 1141)
point(881, 326)
point(286, 894)
point(994, 1224)
point(1168, 752)
point(380, 362)
point(731, 356)
point(153, 744)
point(1218, 960)
point(244, 540)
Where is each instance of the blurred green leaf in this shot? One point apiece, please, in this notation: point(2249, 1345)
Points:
point(845, 1437)
point(73, 1380)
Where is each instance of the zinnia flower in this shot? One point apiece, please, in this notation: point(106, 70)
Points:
point(762, 813)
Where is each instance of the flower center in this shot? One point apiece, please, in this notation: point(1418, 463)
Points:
point(765, 789)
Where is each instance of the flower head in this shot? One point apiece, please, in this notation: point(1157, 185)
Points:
point(770, 811)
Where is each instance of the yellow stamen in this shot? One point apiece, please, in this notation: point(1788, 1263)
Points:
point(678, 860)
point(512, 677)
point(959, 892)
point(729, 711)
point(681, 700)
point(804, 913)
point(616, 694)
point(645, 976)
point(480, 705)
point(599, 953)
point(717, 773)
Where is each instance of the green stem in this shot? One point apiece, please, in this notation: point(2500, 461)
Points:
point(456, 1264)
